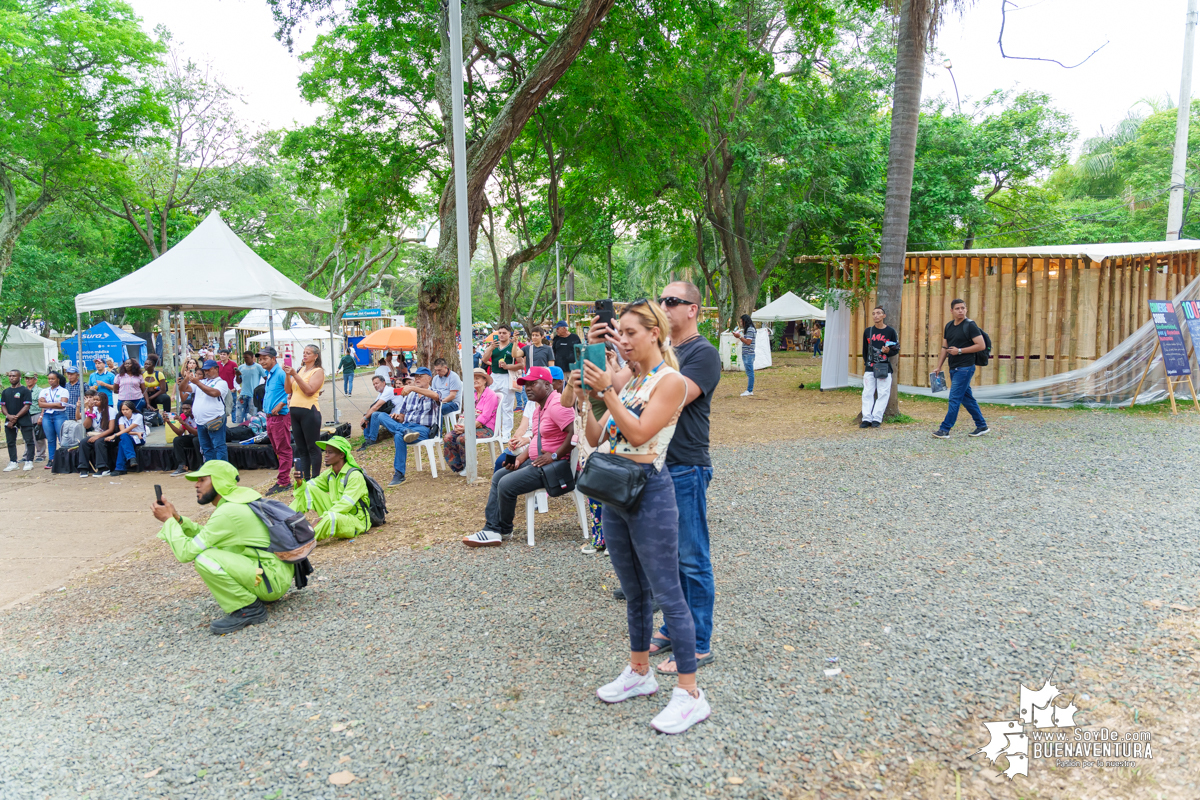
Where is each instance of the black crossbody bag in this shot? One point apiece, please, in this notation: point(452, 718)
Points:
point(614, 480)
point(558, 477)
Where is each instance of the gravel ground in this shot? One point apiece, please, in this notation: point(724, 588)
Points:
point(940, 574)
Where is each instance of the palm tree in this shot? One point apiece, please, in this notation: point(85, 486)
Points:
point(916, 27)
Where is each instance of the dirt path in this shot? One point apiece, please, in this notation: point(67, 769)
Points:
point(59, 527)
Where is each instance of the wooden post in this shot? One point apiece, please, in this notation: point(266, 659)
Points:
point(1192, 386)
point(1028, 317)
point(1145, 372)
point(1060, 301)
point(928, 319)
point(1073, 330)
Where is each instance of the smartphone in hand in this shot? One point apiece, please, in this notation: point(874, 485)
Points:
point(604, 310)
point(157, 494)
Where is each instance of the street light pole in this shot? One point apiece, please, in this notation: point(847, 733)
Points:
point(467, 344)
point(1182, 116)
point(950, 68)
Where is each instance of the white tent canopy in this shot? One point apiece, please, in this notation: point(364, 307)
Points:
point(293, 341)
point(259, 319)
point(787, 308)
point(210, 269)
point(26, 351)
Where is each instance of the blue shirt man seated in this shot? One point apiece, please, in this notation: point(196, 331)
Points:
point(415, 415)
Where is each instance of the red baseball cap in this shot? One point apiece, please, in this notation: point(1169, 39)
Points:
point(536, 374)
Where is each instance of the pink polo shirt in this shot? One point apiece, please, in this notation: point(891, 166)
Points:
point(553, 421)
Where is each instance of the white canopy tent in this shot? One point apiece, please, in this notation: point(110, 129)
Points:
point(26, 351)
point(210, 269)
point(294, 340)
point(787, 308)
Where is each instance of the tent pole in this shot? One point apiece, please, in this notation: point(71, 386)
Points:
point(271, 324)
point(332, 355)
point(79, 358)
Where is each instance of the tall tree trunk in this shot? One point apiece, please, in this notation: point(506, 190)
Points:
point(912, 39)
point(14, 219)
point(440, 287)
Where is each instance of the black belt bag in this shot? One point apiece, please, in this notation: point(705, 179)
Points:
point(557, 478)
point(613, 480)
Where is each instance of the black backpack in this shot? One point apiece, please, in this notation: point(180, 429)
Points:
point(376, 503)
point(292, 537)
point(982, 357)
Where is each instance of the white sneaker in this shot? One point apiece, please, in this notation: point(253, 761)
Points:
point(628, 684)
point(28, 466)
point(747, 394)
point(682, 712)
point(483, 538)
point(12, 465)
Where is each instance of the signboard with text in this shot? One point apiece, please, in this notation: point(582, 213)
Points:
point(1170, 338)
point(1191, 315)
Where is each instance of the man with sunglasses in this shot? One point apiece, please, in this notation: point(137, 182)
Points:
point(688, 461)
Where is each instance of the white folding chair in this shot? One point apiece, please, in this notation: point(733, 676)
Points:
point(539, 501)
point(432, 449)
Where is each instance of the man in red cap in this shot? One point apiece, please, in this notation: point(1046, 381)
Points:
point(550, 429)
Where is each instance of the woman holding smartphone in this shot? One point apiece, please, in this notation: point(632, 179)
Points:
point(644, 544)
point(303, 387)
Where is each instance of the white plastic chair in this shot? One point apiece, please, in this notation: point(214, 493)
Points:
point(432, 449)
point(539, 501)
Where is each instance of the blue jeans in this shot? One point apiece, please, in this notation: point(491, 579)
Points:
point(126, 451)
point(960, 394)
point(52, 427)
point(347, 382)
point(397, 429)
point(695, 566)
point(212, 443)
point(243, 409)
point(748, 363)
point(449, 408)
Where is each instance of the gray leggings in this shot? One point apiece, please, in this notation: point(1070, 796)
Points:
point(644, 549)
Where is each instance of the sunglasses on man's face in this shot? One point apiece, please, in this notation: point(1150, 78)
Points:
point(671, 302)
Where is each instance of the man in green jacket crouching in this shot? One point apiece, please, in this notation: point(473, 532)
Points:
point(230, 550)
point(338, 495)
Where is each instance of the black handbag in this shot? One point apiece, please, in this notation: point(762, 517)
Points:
point(613, 481)
point(558, 477)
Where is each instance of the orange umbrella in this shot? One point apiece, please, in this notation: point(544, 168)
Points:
point(390, 339)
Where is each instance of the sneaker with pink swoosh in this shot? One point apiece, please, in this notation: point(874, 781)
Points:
point(628, 684)
point(682, 712)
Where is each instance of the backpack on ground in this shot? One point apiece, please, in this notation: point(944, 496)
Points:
point(292, 537)
point(376, 503)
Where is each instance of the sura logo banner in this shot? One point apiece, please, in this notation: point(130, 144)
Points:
point(1042, 723)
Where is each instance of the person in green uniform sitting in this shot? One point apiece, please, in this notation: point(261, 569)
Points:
point(230, 550)
point(338, 494)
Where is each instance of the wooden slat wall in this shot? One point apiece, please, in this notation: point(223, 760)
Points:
point(1040, 323)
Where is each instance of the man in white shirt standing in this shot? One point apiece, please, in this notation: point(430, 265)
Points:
point(208, 409)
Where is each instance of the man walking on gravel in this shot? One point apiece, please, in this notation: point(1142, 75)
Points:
point(229, 550)
point(961, 340)
point(688, 463)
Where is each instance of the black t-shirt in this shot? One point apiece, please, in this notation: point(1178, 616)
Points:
point(699, 361)
point(962, 336)
point(874, 340)
point(564, 350)
point(14, 398)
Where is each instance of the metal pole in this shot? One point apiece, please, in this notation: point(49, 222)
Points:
point(1178, 166)
point(464, 252)
point(271, 324)
point(333, 354)
point(79, 364)
point(557, 282)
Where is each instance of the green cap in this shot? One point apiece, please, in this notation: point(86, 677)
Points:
point(225, 480)
point(340, 443)
point(30, 375)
